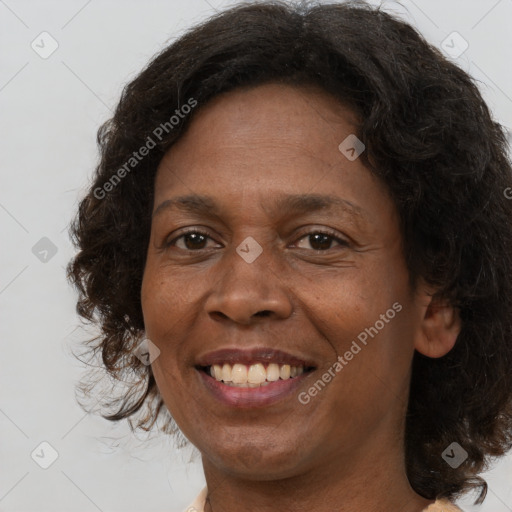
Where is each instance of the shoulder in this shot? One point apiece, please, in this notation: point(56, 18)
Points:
point(442, 506)
point(198, 504)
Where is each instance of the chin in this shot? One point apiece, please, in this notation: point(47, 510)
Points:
point(260, 463)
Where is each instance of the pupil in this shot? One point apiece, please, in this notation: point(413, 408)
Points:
point(325, 241)
point(194, 237)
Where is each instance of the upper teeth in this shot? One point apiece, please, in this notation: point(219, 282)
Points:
point(255, 374)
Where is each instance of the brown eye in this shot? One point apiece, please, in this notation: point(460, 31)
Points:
point(322, 241)
point(192, 240)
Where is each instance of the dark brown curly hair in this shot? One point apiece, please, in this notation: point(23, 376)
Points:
point(429, 137)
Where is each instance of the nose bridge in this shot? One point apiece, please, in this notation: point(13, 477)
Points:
point(249, 284)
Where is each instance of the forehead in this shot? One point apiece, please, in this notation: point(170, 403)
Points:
point(273, 112)
point(271, 127)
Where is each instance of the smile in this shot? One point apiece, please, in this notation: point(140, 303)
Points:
point(247, 378)
point(254, 375)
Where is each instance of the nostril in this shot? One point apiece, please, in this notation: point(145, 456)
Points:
point(266, 312)
point(219, 314)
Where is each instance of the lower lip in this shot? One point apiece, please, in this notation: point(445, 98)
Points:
point(252, 397)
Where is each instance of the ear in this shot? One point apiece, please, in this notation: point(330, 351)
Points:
point(440, 325)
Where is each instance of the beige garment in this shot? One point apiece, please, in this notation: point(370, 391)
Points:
point(438, 506)
point(443, 506)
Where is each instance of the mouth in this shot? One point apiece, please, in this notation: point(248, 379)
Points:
point(252, 378)
point(254, 375)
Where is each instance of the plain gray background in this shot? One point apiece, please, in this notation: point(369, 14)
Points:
point(50, 110)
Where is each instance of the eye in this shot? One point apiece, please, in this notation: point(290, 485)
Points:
point(193, 240)
point(322, 240)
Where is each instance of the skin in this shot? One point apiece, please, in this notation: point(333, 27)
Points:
point(344, 450)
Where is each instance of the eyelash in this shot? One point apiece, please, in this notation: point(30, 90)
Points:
point(325, 232)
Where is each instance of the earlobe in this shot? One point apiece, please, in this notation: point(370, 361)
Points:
point(439, 329)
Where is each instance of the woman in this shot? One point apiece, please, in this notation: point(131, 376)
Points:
point(302, 212)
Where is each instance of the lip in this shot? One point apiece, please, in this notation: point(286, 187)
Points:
point(251, 356)
point(244, 398)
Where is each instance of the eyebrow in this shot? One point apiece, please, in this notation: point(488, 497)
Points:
point(287, 204)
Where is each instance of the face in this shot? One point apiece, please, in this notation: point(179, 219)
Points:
point(284, 251)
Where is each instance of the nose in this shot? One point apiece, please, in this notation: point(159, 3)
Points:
point(245, 292)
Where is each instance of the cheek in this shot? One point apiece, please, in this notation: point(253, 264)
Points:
point(161, 320)
point(162, 315)
point(377, 360)
point(163, 301)
point(344, 306)
point(365, 316)
point(149, 296)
